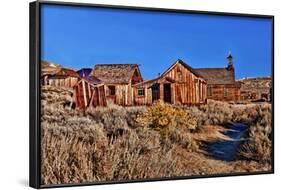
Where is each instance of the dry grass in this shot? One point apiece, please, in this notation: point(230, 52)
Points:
point(114, 143)
point(259, 144)
point(211, 133)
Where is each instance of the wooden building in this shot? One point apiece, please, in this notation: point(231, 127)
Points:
point(64, 78)
point(55, 75)
point(179, 84)
point(48, 69)
point(221, 84)
point(89, 91)
point(256, 89)
point(118, 80)
point(123, 84)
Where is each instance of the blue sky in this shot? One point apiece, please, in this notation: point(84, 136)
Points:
point(80, 37)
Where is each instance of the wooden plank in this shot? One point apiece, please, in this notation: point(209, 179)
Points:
point(126, 95)
point(84, 93)
point(89, 90)
point(78, 96)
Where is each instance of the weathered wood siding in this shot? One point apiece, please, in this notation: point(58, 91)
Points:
point(88, 95)
point(145, 99)
point(62, 82)
point(123, 94)
point(218, 92)
point(185, 87)
point(188, 88)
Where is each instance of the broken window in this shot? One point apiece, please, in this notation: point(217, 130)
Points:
point(111, 90)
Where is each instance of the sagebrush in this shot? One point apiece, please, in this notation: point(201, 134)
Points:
point(118, 143)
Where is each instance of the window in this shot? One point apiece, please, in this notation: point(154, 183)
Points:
point(111, 90)
point(264, 96)
point(224, 91)
point(141, 92)
point(210, 90)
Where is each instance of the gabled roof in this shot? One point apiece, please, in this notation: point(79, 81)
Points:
point(217, 75)
point(66, 72)
point(114, 73)
point(162, 76)
point(55, 70)
point(186, 66)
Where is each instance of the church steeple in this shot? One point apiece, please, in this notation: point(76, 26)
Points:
point(230, 62)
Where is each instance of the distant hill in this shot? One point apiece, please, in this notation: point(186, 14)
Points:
point(256, 88)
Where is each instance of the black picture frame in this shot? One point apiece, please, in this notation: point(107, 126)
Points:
point(34, 91)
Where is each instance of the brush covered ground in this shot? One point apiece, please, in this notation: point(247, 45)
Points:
point(124, 143)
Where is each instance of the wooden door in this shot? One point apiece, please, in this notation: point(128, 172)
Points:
point(95, 98)
point(167, 93)
point(155, 92)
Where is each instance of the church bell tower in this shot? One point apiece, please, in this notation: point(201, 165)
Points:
point(230, 66)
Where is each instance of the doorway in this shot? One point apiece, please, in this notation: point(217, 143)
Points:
point(167, 93)
point(155, 92)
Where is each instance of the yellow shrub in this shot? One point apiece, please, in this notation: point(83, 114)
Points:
point(163, 116)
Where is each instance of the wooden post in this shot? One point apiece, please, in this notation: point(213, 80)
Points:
point(161, 91)
point(84, 93)
point(89, 90)
point(78, 96)
point(172, 93)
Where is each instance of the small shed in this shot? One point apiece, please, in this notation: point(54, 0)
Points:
point(48, 69)
point(88, 95)
point(65, 77)
point(118, 80)
point(89, 92)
